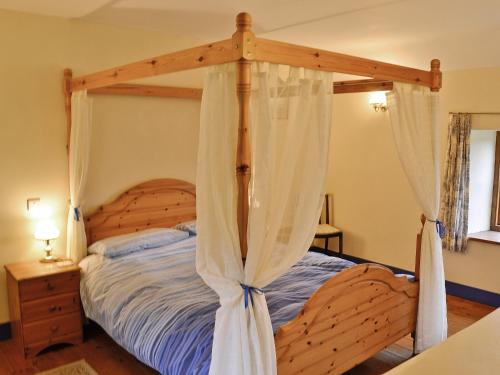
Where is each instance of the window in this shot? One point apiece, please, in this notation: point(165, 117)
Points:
point(495, 201)
point(482, 205)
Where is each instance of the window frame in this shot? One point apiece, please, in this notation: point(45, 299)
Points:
point(495, 199)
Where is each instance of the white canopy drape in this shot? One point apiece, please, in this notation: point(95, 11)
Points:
point(81, 119)
point(414, 112)
point(290, 132)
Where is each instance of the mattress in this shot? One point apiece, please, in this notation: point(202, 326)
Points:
point(155, 305)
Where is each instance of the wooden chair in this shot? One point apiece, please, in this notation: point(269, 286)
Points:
point(325, 230)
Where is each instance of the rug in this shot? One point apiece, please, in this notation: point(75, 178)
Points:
point(76, 368)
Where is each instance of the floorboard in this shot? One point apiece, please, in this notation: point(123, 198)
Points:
point(108, 358)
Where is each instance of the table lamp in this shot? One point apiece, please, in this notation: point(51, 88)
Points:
point(47, 231)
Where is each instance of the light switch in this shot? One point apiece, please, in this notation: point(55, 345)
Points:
point(32, 205)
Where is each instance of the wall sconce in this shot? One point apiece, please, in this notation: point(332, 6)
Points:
point(378, 101)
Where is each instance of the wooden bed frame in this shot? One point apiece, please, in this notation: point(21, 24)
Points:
point(161, 203)
point(243, 48)
point(354, 315)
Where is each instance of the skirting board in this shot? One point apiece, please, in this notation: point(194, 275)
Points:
point(459, 290)
point(455, 289)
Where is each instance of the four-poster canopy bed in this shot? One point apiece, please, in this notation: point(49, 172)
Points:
point(353, 315)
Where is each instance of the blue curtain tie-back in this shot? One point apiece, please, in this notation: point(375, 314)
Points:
point(249, 290)
point(76, 213)
point(440, 227)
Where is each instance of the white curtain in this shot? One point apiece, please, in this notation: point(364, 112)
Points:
point(414, 113)
point(290, 132)
point(81, 120)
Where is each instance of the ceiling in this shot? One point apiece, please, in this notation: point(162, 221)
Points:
point(462, 33)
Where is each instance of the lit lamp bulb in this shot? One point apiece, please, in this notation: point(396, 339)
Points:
point(47, 231)
point(378, 101)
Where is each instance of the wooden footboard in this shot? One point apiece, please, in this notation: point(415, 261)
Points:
point(354, 315)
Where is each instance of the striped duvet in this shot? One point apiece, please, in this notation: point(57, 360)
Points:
point(154, 304)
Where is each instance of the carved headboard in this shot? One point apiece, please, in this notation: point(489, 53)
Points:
point(159, 203)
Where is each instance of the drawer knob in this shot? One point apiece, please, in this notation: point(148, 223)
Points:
point(54, 328)
point(50, 286)
point(52, 308)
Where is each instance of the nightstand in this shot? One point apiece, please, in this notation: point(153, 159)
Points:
point(44, 305)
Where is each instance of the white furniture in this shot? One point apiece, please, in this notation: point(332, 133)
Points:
point(475, 350)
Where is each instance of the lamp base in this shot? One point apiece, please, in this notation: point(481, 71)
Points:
point(49, 258)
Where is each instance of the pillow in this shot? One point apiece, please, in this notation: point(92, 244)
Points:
point(129, 243)
point(187, 226)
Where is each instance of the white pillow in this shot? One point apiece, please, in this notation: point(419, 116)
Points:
point(129, 243)
point(187, 226)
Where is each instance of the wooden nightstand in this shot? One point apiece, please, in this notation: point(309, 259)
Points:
point(44, 305)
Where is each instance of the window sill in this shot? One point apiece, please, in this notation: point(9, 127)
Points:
point(487, 236)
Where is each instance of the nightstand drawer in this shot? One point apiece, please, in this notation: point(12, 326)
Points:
point(49, 329)
point(49, 285)
point(31, 350)
point(50, 306)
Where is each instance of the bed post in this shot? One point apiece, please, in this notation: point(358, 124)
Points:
point(68, 75)
point(417, 270)
point(436, 86)
point(436, 75)
point(242, 45)
point(419, 248)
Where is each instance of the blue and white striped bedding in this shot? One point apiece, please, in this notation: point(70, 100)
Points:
point(154, 304)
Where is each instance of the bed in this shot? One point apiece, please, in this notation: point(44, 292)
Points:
point(154, 304)
point(356, 312)
point(328, 314)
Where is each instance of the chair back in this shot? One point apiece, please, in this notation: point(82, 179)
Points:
point(327, 211)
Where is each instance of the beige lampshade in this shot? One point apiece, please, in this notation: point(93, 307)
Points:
point(46, 230)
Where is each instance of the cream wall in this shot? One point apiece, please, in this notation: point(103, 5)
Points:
point(373, 202)
point(153, 138)
point(33, 160)
point(139, 139)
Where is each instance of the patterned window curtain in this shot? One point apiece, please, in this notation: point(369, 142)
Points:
point(455, 198)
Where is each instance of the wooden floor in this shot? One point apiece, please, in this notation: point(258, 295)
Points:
point(107, 358)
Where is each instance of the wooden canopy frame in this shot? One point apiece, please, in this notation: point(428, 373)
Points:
point(354, 314)
point(244, 48)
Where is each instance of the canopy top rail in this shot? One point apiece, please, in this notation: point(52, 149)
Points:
point(245, 46)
